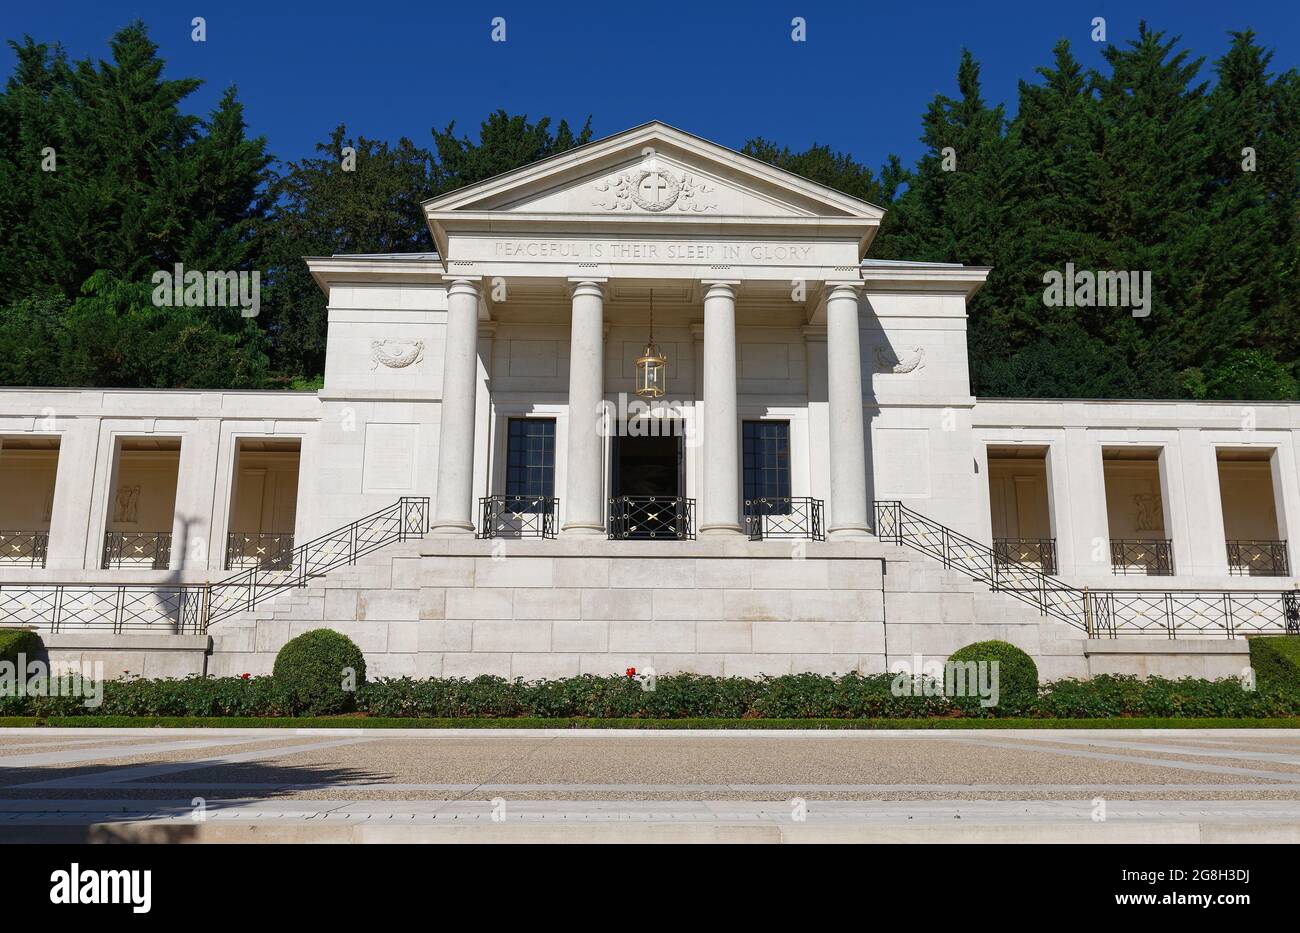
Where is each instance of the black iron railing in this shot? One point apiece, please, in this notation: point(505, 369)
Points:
point(1143, 557)
point(784, 517)
point(652, 518)
point(405, 519)
point(1039, 552)
point(1257, 559)
point(517, 516)
point(146, 549)
point(1099, 613)
point(259, 549)
point(27, 548)
point(68, 607)
point(190, 609)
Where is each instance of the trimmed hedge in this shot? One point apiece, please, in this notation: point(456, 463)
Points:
point(1017, 673)
point(318, 673)
point(1276, 660)
point(677, 696)
point(16, 641)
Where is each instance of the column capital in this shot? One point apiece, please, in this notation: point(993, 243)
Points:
point(843, 285)
point(720, 287)
point(587, 285)
point(463, 285)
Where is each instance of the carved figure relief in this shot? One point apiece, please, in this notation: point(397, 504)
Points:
point(395, 354)
point(126, 507)
point(1150, 515)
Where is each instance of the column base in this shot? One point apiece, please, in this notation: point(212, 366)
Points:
point(849, 531)
point(452, 529)
point(720, 529)
point(585, 529)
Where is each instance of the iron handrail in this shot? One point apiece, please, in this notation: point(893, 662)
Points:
point(1104, 613)
point(192, 608)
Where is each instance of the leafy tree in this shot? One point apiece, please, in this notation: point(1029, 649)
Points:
point(375, 207)
point(505, 143)
point(321, 208)
point(114, 335)
point(834, 169)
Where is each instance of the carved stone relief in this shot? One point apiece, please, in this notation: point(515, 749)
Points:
point(655, 190)
point(396, 354)
point(126, 507)
point(888, 362)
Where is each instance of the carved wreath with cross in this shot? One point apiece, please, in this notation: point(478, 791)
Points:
point(653, 190)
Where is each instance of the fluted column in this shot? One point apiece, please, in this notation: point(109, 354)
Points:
point(583, 500)
point(719, 513)
point(454, 497)
point(848, 516)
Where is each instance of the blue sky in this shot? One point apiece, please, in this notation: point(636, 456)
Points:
point(724, 71)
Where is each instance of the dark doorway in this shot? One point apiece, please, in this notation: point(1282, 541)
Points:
point(647, 466)
point(646, 484)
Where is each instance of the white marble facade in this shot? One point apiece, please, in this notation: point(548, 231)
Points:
point(534, 303)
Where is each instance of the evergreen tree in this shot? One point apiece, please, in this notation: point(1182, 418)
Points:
point(505, 143)
point(327, 204)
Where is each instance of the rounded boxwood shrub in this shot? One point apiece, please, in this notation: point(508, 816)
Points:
point(312, 671)
point(1017, 672)
point(1276, 660)
point(16, 641)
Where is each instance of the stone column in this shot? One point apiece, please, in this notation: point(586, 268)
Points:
point(848, 506)
point(453, 509)
point(583, 486)
point(718, 513)
point(196, 481)
point(72, 545)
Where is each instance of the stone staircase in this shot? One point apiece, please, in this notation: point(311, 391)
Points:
point(457, 607)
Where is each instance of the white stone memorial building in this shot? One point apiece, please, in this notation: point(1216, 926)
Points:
point(647, 403)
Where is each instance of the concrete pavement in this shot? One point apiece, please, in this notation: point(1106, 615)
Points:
point(360, 785)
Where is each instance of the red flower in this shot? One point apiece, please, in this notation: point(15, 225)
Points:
point(631, 672)
point(243, 677)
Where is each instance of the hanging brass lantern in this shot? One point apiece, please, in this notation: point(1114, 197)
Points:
point(651, 365)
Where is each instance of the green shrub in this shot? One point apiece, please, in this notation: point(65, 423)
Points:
point(16, 641)
point(1276, 660)
point(1017, 675)
point(312, 670)
point(808, 697)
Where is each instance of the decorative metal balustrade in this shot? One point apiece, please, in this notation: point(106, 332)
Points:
point(1099, 613)
point(406, 519)
point(1038, 552)
point(151, 550)
point(517, 516)
point(784, 517)
point(27, 548)
point(1152, 558)
point(259, 549)
point(191, 608)
point(651, 518)
point(139, 608)
point(1257, 559)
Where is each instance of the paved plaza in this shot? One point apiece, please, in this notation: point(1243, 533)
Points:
point(357, 785)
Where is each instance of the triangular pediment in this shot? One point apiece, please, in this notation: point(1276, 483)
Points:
point(653, 171)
